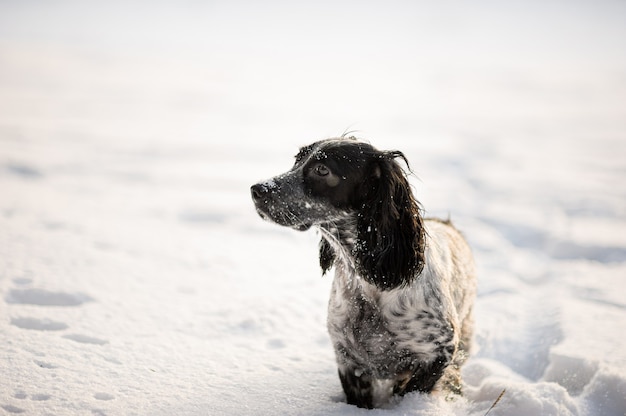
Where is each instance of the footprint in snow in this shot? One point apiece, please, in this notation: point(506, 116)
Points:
point(527, 237)
point(40, 397)
point(43, 364)
point(12, 409)
point(85, 339)
point(34, 397)
point(573, 373)
point(103, 396)
point(22, 281)
point(275, 344)
point(23, 170)
point(42, 297)
point(38, 324)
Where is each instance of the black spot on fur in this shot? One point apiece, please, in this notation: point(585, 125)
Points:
point(327, 256)
point(425, 376)
point(358, 390)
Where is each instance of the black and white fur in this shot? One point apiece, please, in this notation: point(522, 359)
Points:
point(399, 314)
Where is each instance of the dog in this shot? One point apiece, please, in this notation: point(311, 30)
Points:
point(400, 309)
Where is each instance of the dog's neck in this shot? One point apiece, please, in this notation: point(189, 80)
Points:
point(342, 237)
point(386, 255)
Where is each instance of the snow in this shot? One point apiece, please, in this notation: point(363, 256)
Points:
point(137, 278)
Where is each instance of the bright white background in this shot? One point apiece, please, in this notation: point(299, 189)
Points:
point(136, 278)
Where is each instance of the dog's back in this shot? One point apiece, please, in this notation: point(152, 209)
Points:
point(450, 264)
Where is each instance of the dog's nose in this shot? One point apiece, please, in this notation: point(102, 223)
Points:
point(258, 191)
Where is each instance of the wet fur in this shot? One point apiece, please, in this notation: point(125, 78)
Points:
point(399, 313)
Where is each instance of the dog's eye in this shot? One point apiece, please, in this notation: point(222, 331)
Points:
point(321, 170)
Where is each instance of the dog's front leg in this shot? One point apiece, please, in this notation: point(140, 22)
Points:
point(358, 388)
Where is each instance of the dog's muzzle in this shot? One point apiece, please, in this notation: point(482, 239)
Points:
point(266, 197)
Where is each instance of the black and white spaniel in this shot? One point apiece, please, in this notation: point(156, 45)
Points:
point(400, 309)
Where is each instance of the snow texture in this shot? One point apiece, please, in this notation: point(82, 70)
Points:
point(137, 279)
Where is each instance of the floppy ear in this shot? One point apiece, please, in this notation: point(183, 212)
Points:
point(390, 248)
point(327, 255)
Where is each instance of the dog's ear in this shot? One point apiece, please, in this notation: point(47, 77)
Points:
point(390, 248)
point(327, 255)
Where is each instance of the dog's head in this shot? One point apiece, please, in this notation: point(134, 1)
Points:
point(335, 180)
point(323, 186)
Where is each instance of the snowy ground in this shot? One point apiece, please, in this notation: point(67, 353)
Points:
point(136, 278)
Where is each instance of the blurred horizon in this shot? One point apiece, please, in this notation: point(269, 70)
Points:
point(282, 71)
